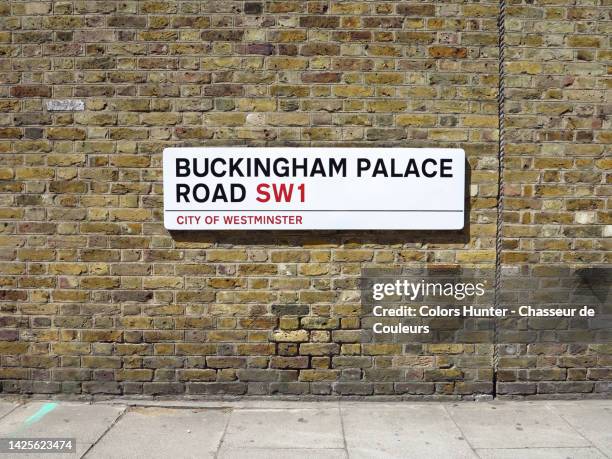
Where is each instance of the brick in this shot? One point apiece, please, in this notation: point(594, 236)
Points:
point(416, 10)
point(321, 77)
point(319, 349)
point(163, 119)
point(320, 22)
point(287, 63)
point(318, 375)
point(416, 120)
point(197, 375)
point(253, 8)
point(448, 52)
point(414, 388)
point(294, 336)
point(231, 388)
point(385, 78)
point(324, 323)
point(96, 119)
point(66, 133)
point(287, 36)
point(31, 91)
point(353, 91)
point(584, 41)
point(158, 7)
point(562, 387)
point(320, 49)
point(353, 388)
point(193, 133)
point(222, 35)
point(160, 388)
point(130, 22)
point(416, 38)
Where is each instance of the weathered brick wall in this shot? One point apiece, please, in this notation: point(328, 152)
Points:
point(559, 157)
point(97, 297)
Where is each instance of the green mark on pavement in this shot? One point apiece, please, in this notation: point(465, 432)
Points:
point(42, 412)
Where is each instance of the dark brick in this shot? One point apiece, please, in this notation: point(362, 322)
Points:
point(253, 8)
point(217, 388)
point(320, 22)
point(139, 296)
point(224, 90)
point(289, 388)
point(265, 49)
point(320, 49)
point(31, 91)
point(416, 10)
point(128, 22)
point(353, 388)
point(290, 309)
point(565, 387)
point(13, 295)
point(257, 375)
point(9, 335)
point(102, 387)
point(163, 388)
point(36, 119)
point(222, 35)
point(414, 388)
point(322, 77)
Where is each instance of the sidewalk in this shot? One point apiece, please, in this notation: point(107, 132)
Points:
point(279, 429)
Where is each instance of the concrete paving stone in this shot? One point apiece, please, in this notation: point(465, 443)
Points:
point(85, 422)
point(281, 453)
point(517, 425)
point(289, 429)
point(416, 431)
point(593, 421)
point(155, 432)
point(292, 428)
point(541, 453)
point(585, 402)
point(7, 407)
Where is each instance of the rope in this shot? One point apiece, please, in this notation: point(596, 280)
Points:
point(501, 99)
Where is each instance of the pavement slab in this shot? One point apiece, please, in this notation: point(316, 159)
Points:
point(593, 421)
point(153, 432)
point(281, 453)
point(326, 430)
point(541, 453)
point(514, 425)
point(7, 407)
point(288, 428)
point(83, 421)
point(418, 431)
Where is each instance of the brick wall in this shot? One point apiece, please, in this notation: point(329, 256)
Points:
point(559, 158)
point(97, 297)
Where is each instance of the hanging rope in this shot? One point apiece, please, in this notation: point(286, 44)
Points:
point(501, 24)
